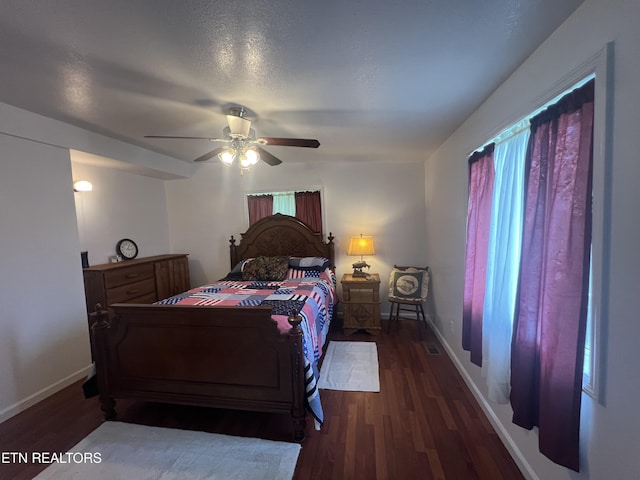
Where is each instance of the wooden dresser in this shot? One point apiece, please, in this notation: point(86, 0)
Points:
point(143, 280)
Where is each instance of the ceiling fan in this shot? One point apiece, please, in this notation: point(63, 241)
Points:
point(243, 144)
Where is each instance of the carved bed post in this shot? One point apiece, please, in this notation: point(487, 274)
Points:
point(100, 329)
point(233, 254)
point(331, 246)
point(297, 362)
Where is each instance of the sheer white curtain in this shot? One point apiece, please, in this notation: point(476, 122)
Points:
point(505, 243)
point(285, 203)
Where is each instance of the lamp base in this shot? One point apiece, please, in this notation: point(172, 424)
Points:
point(357, 269)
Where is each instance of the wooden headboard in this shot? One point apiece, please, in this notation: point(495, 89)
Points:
point(280, 235)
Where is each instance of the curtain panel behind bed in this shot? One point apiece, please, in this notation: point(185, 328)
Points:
point(259, 206)
point(309, 209)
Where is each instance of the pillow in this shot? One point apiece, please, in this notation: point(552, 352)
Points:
point(236, 272)
point(266, 269)
point(240, 266)
point(409, 283)
point(294, 273)
point(315, 264)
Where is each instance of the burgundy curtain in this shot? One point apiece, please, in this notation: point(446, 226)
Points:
point(259, 206)
point(309, 209)
point(481, 174)
point(549, 329)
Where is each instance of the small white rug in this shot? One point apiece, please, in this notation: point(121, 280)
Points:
point(351, 366)
point(135, 452)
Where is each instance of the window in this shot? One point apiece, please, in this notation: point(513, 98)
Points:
point(499, 213)
point(305, 205)
point(562, 273)
point(590, 374)
point(528, 278)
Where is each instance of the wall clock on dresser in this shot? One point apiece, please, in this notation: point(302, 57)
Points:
point(127, 249)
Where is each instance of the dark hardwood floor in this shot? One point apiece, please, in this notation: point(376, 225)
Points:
point(424, 424)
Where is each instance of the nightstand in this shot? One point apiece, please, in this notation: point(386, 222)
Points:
point(361, 300)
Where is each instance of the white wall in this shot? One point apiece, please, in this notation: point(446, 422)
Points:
point(609, 430)
point(121, 205)
point(383, 200)
point(44, 341)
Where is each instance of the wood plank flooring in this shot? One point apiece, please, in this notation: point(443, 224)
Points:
point(424, 424)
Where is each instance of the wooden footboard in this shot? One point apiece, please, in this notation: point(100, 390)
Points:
point(223, 357)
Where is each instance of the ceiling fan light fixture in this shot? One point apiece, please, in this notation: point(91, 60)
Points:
point(244, 162)
point(227, 156)
point(242, 140)
point(252, 156)
point(238, 126)
point(247, 162)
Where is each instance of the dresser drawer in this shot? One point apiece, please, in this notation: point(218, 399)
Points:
point(148, 298)
point(134, 281)
point(126, 275)
point(126, 293)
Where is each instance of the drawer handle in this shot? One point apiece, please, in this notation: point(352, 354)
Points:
point(133, 292)
point(132, 275)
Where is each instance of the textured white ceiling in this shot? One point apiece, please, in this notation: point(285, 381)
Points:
point(368, 79)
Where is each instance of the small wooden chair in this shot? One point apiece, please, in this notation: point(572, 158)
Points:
point(408, 290)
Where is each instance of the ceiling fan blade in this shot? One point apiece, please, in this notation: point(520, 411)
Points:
point(209, 155)
point(190, 138)
point(187, 138)
point(268, 158)
point(289, 142)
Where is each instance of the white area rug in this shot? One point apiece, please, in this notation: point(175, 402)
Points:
point(137, 452)
point(351, 366)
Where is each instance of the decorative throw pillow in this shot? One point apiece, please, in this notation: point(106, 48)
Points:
point(317, 264)
point(409, 283)
point(266, 269)
point(239, 266)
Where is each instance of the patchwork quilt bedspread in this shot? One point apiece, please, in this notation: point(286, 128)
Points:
point(313, 298)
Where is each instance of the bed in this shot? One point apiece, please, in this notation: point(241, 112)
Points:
point(206, 348)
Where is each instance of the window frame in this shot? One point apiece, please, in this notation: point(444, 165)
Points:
point(601, 65)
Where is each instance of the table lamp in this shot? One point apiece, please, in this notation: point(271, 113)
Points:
point(361, 246)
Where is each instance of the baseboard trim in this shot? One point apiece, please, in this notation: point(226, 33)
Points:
point(31, 400)
point(507, 440)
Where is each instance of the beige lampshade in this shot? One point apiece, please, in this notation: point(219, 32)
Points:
point(361, 246)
